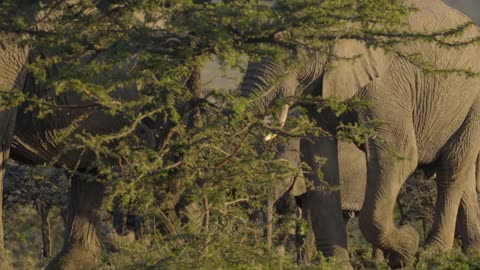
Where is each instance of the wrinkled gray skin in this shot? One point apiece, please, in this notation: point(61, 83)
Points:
point(352, 178)
point(429, 121)
point(27, 139)
point(345, 167)
point(350, 174)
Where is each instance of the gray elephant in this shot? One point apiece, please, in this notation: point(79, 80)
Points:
point(27, 139)
point(427, 120)
point(328, 211)
point(347, 176)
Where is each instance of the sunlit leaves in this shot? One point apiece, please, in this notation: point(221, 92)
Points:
point(131, 63)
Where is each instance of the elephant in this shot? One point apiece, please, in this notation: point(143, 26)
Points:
point(329, 211)
point(30, 140)
point(348, 173)
point(352, 179)
point(427, 120)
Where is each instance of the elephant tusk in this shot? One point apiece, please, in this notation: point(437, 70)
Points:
point(282, 120)
point(269, 137)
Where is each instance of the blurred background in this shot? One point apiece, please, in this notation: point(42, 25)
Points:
point(469, 7)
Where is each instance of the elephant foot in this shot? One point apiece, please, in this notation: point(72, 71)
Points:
point(471, 247)
point(344, 265)
point(377, 255)
point(404, 244)
point(431, 249)
point(342, 259)
point(74, 258)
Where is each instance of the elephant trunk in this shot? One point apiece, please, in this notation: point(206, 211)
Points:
point(264, 82)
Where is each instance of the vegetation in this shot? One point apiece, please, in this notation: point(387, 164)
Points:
point(184, 153)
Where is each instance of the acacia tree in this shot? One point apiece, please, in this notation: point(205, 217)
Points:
point(177, 145)
point(42, 189)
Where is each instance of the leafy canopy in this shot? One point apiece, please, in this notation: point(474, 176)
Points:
point(178, 143)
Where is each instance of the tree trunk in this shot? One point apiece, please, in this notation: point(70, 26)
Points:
point(424, 230)
point(119, 218)
point(269, 223)
point(81, 247)
point(194, 83)
point(7, 124)
point(3, 260)
point(43, 210)
point(46, 237)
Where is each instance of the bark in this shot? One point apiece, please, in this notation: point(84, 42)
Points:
point(7, 123)
point(81, 247)
point(43, 210)
point(119, 219)
point(2, 242)
point(139, 228)
point(194, 83)
point(46, 237)
point(269, 223)
point(4, 264)
point(424, 229)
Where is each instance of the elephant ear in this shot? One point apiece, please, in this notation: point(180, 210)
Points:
point(352, 67)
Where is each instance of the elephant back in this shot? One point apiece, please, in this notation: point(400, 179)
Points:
point(436, 17)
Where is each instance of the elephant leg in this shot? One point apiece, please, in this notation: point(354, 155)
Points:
point(455, 174)
point(81, 246)
point(388, 168)
point(449, 196)
point(468, 219)
point(329, 230)
point(322, 206)
point(7, 124)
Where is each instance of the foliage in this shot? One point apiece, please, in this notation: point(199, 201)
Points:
point(45, 191)
point(41, 187)
point(416, 200)
point(452, 260)
point(205, 149)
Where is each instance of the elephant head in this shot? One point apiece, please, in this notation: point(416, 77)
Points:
point(350, 66)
